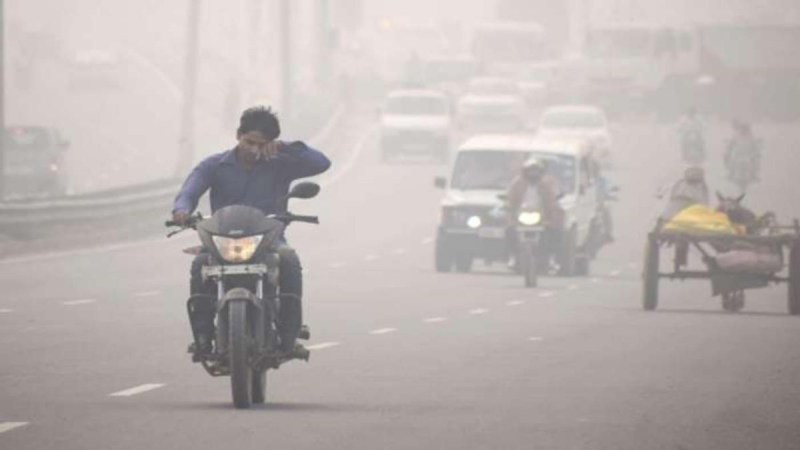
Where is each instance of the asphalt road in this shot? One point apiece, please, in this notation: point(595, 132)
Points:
point(405, 357)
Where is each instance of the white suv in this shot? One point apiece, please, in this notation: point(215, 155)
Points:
point(416, 122)
point(483, 169)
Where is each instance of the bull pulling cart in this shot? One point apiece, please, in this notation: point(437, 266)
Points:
point(734, 263)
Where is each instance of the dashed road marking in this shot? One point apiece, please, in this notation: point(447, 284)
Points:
point(84, 301)
point(370, 258)
point(615, 273)
point(337, 265)
point(383, 331)
point(595, 280)
point(633, 266)
point(573, 287)
point(515, 303)
point(427, 240)
point(322, 345)
point(535, 339)
point(547, 294)
point(435, 319)
point(478, 311)
point(400, 251)
point(137, 390)
point(147, 294)
point(8, 426)
point(6, 311)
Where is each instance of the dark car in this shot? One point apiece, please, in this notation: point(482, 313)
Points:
point(33, 161)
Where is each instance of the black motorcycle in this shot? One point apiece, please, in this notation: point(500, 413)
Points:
point(243, 262)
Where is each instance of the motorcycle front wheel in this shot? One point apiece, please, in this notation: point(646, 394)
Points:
point(240, 338)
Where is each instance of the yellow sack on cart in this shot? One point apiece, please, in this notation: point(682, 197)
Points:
point(702, 219)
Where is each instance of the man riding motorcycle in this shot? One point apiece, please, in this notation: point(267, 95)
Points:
point(535, 186)
point(690, 129)
point(256, 173)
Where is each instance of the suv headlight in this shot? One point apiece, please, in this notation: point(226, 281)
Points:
point(530, 218)
point(237, 250)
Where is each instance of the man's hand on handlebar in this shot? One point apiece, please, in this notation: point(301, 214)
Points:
point(181, 217)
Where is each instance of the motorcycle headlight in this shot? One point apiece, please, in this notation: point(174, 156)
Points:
point(237, 250)
point(530, 218)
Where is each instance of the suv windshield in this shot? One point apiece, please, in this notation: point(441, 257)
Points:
point(26, 138)
point(416, 106)
point(495, 170)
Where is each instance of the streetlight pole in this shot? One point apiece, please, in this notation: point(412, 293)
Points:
point(186, 152)
point(287, 73)
point(2, 102)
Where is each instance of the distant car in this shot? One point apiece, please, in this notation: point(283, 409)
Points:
point(588, 123)
point(449, 73)
point(33, 161)
point(484, 167)
point(416, 122)
point(496, 114)
point(95, 69)
point(536, 82)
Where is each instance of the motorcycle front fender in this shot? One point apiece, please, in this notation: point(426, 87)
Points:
point(236, 294)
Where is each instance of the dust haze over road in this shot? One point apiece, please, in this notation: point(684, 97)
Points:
point(93, 320)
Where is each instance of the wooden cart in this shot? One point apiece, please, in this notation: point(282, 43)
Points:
point(727, 284)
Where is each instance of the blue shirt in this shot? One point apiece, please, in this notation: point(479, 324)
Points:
point(262, 187)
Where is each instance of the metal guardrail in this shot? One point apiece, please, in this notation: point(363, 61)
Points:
point(129, 200)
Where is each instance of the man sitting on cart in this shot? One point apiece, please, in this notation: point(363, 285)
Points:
point(689, 190)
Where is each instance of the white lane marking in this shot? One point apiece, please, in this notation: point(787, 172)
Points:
point(337, 265)
point(515, 303)
point(322, 345)
point(147, 294)
point(400, 251)
point(573, 287)
point(383, 331)
point(6, 311)
point(478, 311)
point(137, 390)
point(435, 319)
point(547, 294)
point(633, 266)
point(84, 301)
point(427, 240)
point(370, 258)
point(351, 161)
point(535, 339)
point(595, 280)
point(615, 273)
point(8, 426)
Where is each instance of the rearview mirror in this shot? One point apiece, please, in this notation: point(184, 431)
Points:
point(440, 182)
point(304, 190)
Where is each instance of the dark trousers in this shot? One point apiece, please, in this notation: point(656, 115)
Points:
point(290, 317)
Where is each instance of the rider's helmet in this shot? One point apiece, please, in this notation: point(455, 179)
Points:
point(533, 168)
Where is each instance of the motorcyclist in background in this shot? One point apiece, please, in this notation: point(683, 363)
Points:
point(535, 185)
point(743, 155)
point(692, 137)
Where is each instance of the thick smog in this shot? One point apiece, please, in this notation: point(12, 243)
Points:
point(392, 224)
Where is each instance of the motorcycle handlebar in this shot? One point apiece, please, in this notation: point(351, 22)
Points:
point(289, 218)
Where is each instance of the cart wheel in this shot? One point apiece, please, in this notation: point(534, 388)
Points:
point(794, 280)
point(650, 275)
point(733, 301)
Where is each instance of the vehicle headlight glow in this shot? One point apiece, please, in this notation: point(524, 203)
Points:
point(237, 250)
point(474, 222)
point(530, 218)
